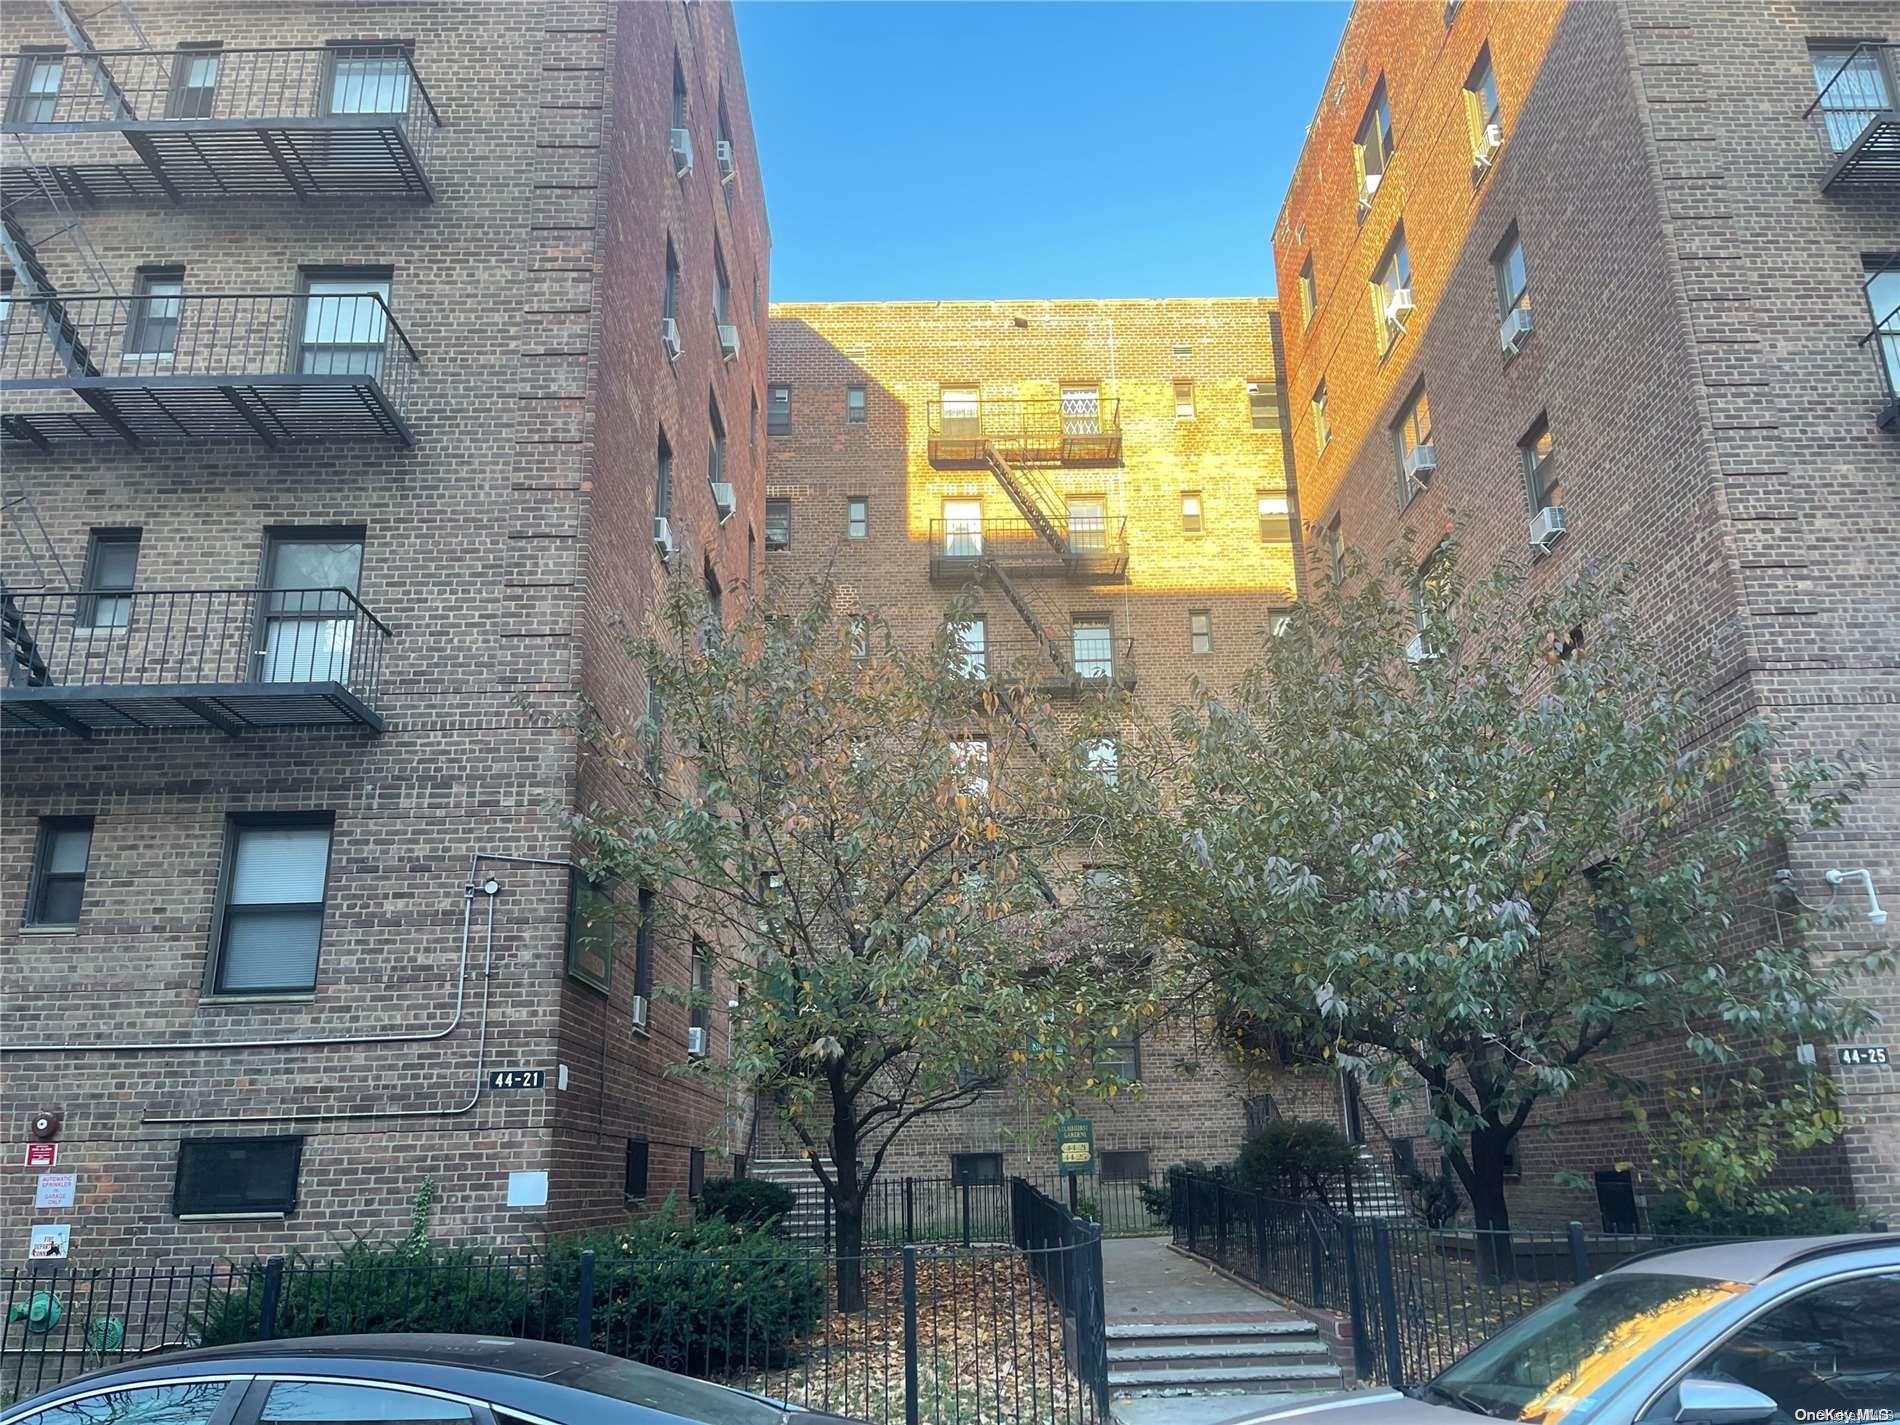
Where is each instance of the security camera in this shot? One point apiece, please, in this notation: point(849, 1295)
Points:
point(1837, 877)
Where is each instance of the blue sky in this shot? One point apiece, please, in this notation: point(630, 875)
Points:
point(1071, 149)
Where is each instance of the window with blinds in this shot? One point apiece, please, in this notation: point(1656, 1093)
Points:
point(237, 1177)
point(271, 916)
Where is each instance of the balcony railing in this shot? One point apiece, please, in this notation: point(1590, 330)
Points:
point(1856, 107)
point(231, 659)
point(1071, 431)
point(343, 121)
point(1884, 340)
point(1096, 548)
point(284, 368)
point(1087, 664)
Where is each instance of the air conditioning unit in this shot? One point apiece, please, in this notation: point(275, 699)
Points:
point(1398, 306)
point(670, 337)
point(696, 1042)
point(1418, 650)
point(1369, 186)
point(1547, 527)
point(663, 536)
point(728, 340)
point(1515, 330)
point(722, 499)
point(639, 1011)
point(722, 155)
point(1488, 145)
point(682, 145)
point(1421, 462)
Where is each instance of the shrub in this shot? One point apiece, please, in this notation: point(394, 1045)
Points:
point(1296, 1159)
point(1434, 1197)
point(1793, 1212)
point(1087, 1208)
point(747, 1202)
point(1159, 1198)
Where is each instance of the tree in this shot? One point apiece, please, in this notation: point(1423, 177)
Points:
point(871, 841)
point(1490, 862)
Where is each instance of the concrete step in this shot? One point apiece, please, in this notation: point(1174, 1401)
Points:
point(1214, 1353)
point(1305, 1376)
point(1209, 1329)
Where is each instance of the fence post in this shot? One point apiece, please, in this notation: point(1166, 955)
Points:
point(1579, 1258)
point(273, 1290)
point(1316, 1253)
point(912, 1406)
point(966, 1212)
point(827, 1222)
point(1259, 1239)
point(1220, 1222)
point(584, 1307)
point(1096, 1324)
point(1356, 1304)
point(1388, 1304)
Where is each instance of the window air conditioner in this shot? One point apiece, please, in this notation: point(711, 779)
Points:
point(1398, 306)
point(728, 340)
point(663, 536)
point(670, 338)
point(639, 1011)
point(696, 1042)
point(1547, 527)
point(1420, 462)
point(722, 155)
point(1515, 330)
point(722, 499)
point(1418, 651)
point(682, 145)
point(1489, 142)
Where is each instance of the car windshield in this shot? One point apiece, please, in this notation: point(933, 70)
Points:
point(1555, 1364)
point(674, 1394)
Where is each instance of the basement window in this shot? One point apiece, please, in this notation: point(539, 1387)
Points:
point(635, 1188)
point(237, 1177)
point(976, 1169)
point(1125, 1165)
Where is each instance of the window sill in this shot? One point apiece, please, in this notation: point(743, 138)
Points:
point(310, 998)
point(231, 1216)
point(49, 930)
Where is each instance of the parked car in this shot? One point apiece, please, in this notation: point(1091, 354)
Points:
point(1765, 1332)
point(396, 1380)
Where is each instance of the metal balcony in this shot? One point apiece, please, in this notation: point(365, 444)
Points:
point(1059, 669)
point(1857, 112)
point(1027, 432)
point(1094, 549)
point(283, 368)
point(322, 122)
point(235, 660)
point(1884, 339)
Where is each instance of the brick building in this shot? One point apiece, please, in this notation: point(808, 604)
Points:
point(343, 440)
point(1107, 480)
point(1600, 282)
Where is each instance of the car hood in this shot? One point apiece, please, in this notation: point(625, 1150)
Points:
point(1359, 1407)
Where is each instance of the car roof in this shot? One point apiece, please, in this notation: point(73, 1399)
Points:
point(1754, 1259)
point(541, 1360)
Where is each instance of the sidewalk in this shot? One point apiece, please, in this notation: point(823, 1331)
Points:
point(1144, 1279)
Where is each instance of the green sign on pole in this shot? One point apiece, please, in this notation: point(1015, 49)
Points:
point(1075, 1147)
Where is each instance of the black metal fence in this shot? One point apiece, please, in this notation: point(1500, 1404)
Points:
point(947, 1210)
point(1417, 1297)
point(1010, 1332)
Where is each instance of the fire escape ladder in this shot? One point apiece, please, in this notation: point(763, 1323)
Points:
point(60, 331)
point(1035, 618)
point(102, 79)
point(1031, 494)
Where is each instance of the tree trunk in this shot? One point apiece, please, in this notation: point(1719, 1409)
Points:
point(848, 1200)
point(1496, 1257)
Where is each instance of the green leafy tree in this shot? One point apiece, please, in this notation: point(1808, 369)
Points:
point(1490, 866)
point(872, 843)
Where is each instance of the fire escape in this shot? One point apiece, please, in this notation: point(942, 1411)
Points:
point(1075, 539)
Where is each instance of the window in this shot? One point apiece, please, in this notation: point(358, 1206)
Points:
point(1124, 1165)
point(1278, 624)
point(778, 409)
point(1104, 759)
point(225, 1177)
point(1262, 409)
point(635, 1187)
point(333, 1402)
point(857, 517)
point(345, 322)
point(778, 522)
point(59, 871)
point(1507, 264)
point(1412, 446)
point(1883, 304)
point(1392, 291)
point(307, 612)
point(695, 1171)
point(1276, 517)
point(1431, 588)
point(699, 1038)
point(643, 951)
point(752, 426)
point(1184, 400)
point(860, 632)
point(1191, 511)
point(976, 1169)
point(716, 445)
point(36, 88)
point(1120, 1055)
point(1373, 147)
point(970, 762)
point(1081, 410)
point(670, 298)
point(1336, 550)
point(1482, 113)
point(1541, 479)
point(962, 529)
point(854, 410)
point(198, 1403)
point(972, 638)
point(368, 79)
point(1091, 647)
point(1852, 81)
point(194, 82)
point(1322, 431)
point(1088, 523)
point(270, 915)
point(112, 561)
point(153, 333)
point(722, 287)
point(679, 94)
point(962, 408)
point(1309, 293)
point(590, 932)
point(655, 719)
point(663, 478)
point(1200, 631)
point(715, 599)
point(1102, 885)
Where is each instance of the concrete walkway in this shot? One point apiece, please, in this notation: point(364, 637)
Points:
point(1145, 1280)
